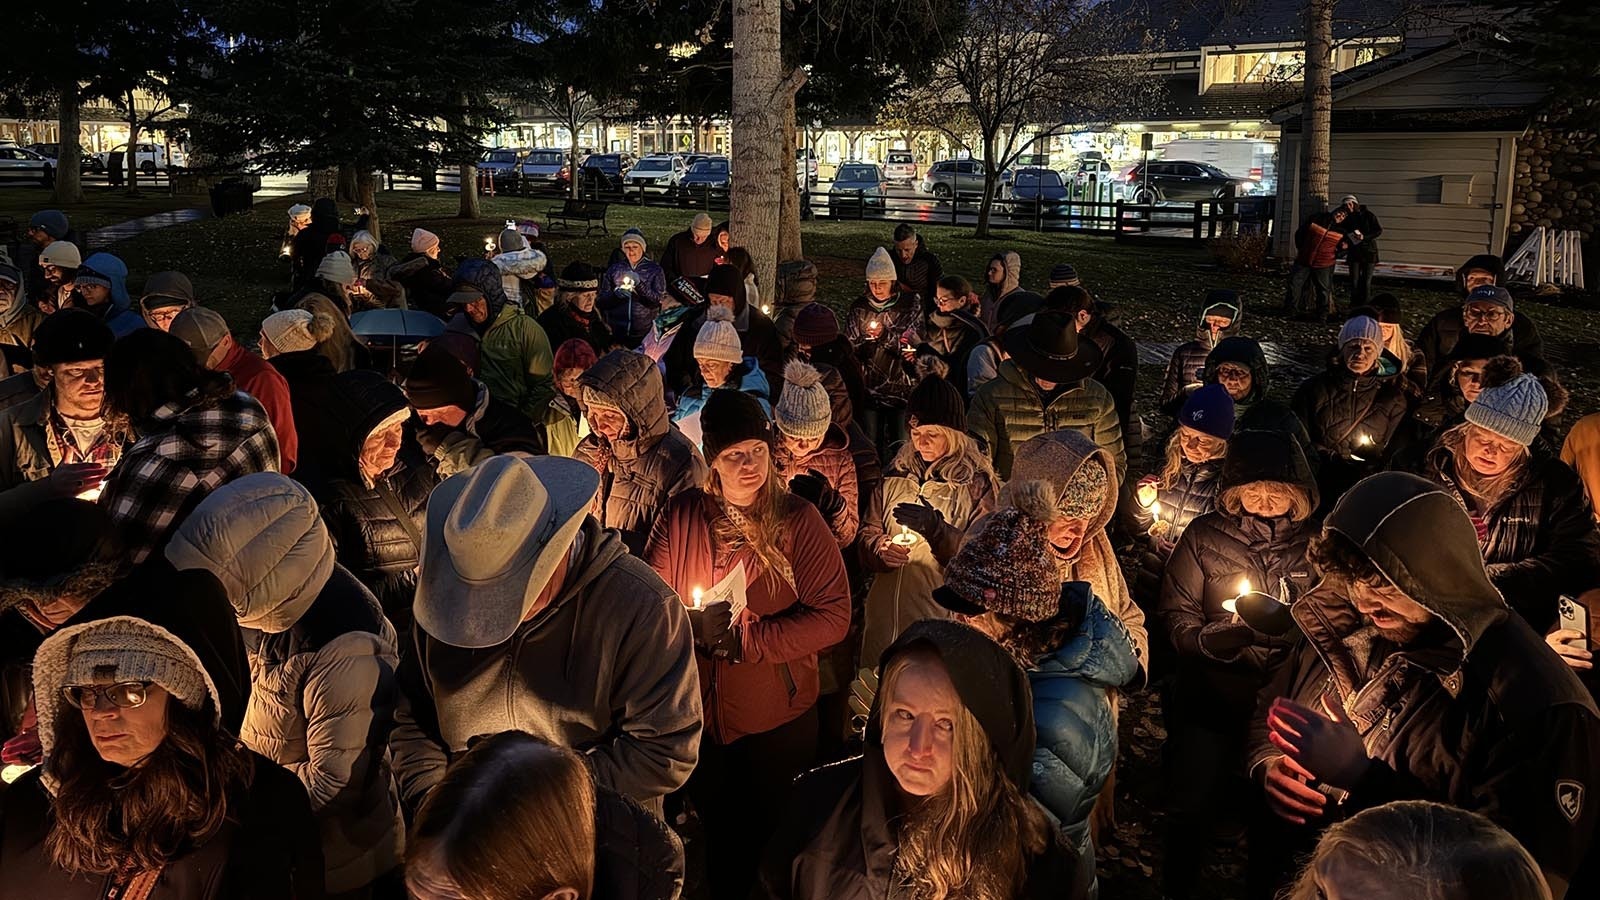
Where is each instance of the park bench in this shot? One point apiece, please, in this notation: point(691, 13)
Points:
point(592, 213)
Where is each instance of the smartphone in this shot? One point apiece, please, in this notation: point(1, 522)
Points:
point(1571, 613)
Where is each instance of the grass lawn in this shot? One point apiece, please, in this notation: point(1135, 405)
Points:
point(101, 205)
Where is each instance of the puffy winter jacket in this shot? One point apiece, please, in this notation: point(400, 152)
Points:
point(1192, 494)
point(516, 359)
point(1581, 451)
point(899, 324)
point(313, 403)
point(426, 280)
point(1189, 359)
point(1319, 241)
point(746, 376)
point(1350, 415)
point(832, 460)
point(637, 857)
point(1440, 335)
point(1010, 409)
point(952, 338)
point(518, 271)
point(629, 313)
point(639, 473)
point(561, 323)
point(1541, 539)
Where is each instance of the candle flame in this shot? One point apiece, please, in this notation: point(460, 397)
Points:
point(1244, 586)
point(1155, 510)
point(1365, 440)
point(697, 594)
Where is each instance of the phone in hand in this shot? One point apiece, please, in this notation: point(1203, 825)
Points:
point(1571, 613)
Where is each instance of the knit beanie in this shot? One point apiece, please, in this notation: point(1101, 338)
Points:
point(62, 255)
point(87, 277)
point(717, 338)
point(127, 652)
point(510, 241)
point(881, 266)
point(804, 409)
point(337, 268)
point(578, 276)
point(1084, 494)
point(52, 222)
point(1007, 567)
point(797, 283)
point(438, 379)
point(700, 222)
point(815, 325)
point(71, 335)
point(1361, 328)
point(10, 273)
point(300, 214)
point(725, 280)
point(1489, 293)
point(729, 417)
point(1514, 410)
point(1475, 346)
point(289, 330)
point(574, 353)
point(1063, 273)
point(935, 401)
point(1209, 410)
point(634, 236)
point(423, 240)
point(686, 292)
point(594, 398)
point(1349, 200)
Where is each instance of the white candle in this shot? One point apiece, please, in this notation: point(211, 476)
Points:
point(696, 594)
point(906, 537)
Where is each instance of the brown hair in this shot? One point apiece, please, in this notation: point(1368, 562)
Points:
point(761, 525)
point(513, 819)
point(1232, 499)
point(955, 284)
point(1338, 558)
point(331, 330)
point(110, 819)
point(974, 838)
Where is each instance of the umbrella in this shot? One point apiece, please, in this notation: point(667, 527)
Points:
point(415, 324)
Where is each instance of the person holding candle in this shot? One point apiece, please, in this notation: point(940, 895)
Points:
point(631, 290)
point(939, 483)
point(1255, 539)
point(573, 314)
point(1353, 409)
point(1165, 502)
point(758, 665)
point(758, 336)
point(883, 325)
point(813, 453)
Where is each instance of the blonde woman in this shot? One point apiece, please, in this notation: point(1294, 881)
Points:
point(938, 484)
point(937, 807)
point(1185, 488)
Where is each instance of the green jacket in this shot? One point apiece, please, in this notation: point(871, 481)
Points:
point(517, 362)
point(1010, 409)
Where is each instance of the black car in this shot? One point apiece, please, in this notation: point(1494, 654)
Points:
point(706, 179)
point(604, 171)
point(1166, 180)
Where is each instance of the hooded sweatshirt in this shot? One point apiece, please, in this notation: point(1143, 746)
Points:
point(1476, 712)
point(1254, 411)
point(117, 271)
point(1183, 370)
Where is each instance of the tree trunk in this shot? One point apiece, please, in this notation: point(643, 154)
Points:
point(989, 180)
point(69, 182)
point(470, 207)
point(367, 196)
point(430, 176)
point(572, 162)
point(1316, 118)
point(759, 89)
point(349, 189)
point(132, 157)
point(789, 245)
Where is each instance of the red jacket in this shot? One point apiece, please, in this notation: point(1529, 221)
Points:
point(783, 629)
point(1319, 244)
point(256, 377)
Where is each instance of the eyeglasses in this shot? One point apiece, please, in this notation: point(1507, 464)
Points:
point(123, 694)
point(1486, 313)
point(1232, 372)
point(1472, 375)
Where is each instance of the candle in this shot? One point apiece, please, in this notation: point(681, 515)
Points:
point(874, 328)
point(1157, 528)
point(488, 244)
point(1232, 604)
point(906, 537)
point(285, 249)
point(766, 309)
point(1155, 510)
point(92, 494)
point(696, 595)
point(1363, 441)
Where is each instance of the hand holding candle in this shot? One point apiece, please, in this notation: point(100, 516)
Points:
point(906, 538)
point(1158, 527)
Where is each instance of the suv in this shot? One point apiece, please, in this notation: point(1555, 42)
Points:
point(708, 178)
point(604, 171)
point(1164, 180)
point(150, 157)
point(900, 166)
point(22, 163)
point(952, 177)
point(501, 164)
point(657, 174)
point(87, 162)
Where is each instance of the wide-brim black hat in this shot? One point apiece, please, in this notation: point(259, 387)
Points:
point(1048, 348)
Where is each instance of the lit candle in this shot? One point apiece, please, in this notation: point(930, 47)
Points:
point(906, 537)
point(1363, 441)
point(1157, 527)
point(1155, 510)
point(874, 328)
point(488, 244)
point(696, 594)
point(766, 309)
point(92, 494)
point(1232, 603)
point(285, 249)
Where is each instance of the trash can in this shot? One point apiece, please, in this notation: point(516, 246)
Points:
point(116, 167)
point(231, 195)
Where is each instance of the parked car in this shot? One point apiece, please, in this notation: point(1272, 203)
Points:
point(712, 177)
point(604, 171)
point(658, 174)
point(952, 177)
point(20, 163)
point(1089, 166)
point(501, 164)
point(805, 167)
point(87, 162)
point(544, 166)
point(1179, 180)
point(1032, 185)
point(900, 167)
point(149, 157)
point(857, 188)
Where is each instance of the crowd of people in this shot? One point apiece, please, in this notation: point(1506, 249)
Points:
point(644, 549)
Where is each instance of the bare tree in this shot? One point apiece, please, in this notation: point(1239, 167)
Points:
point(576, 109)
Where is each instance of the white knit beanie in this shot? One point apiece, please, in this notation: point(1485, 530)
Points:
point(422, 240)
point(804, 410)
point(880, 267)
point(717, 338)
point(1361, 328)
point(337, 268)
point(289, 330)
point(1514, 410)
point(300, 214)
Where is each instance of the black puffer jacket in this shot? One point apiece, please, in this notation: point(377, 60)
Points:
point(313, 402)
point(1192, 494)
point(426, 280)
point(637, 857)
point(377, 526)
point(1255, 411)
point(1350, 415)
point(1541, 540)
point(951, 337)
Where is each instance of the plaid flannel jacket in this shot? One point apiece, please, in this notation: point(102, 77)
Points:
point(192, 449)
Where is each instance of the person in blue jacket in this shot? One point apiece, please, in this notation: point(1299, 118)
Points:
point(722, 365)
point(631, 291)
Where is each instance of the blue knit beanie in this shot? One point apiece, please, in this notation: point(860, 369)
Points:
point(1210, 410)
point(1361, 328)
point(1514, 410)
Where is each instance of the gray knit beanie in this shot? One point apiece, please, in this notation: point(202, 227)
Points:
point(803, 409)
point(1361, 328)
point(1514, 410)
point(136, 654)
point(718, 339)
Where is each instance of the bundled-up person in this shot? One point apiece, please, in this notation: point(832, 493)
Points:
point(18, 317)
point(813, 453)
point(335, 277)
point(1384, 308)
point(692, 253)
point(1221, 317)
point(937, 805)
point(116, 271)
point(196, 433)
point(1487, 308)
point(722, 365)
point(1185, 488)
point(1240, 366)
point(917, 270)
point(208, 337)
point(46, 228)
point(758, 664)
point(631, 290)
point(797, 287)
point(1533, 519)
point(520, 266)
point(340, 345)
point(573, 314)
point(643, 459)
point(58, 264)
point(288, 342)
point(1363, 227)
point(884, 326)
point(725, 287)
point(938, 484)
point(426, 280)
point(1581, 451)
point(516, 357)
point(1352, 409)
point(374, 286)
point(1003, 299)
point(310, 245)
point(1317, 243)
point(462, 423)
point(1254, 543)
point(1412, 680)
point(565, 424)
point(1445, 405)
point(322, 664)
point(1004, 583)
point(95, 292)
point(532, 615)
point(673, 334)
point(951, 332)
point(62, 442)
point(166, 294)
point(144, 792)
point(1045, 386)
point(818, 341)
point(374, 494)
point(1119, 356)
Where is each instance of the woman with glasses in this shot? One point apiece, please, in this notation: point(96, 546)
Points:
point(143, 795)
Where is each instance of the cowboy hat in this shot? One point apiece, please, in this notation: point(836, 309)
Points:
point(496, 534)
point(1048, 348)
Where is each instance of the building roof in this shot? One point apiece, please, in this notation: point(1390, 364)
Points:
point(1182, 101)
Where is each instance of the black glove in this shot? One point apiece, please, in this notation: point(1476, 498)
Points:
point(814, 486)
point(920, 517)
point(431, 436)
point(713, 629)
point(1222, 641)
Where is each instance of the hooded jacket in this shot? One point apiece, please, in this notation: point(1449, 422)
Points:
point(1010, 409)
point(629, 314)
point(516, 360)
point(832, 460)
point(1475, 712)
point(785, 626)
point(19, 319)
point(1006, 302)
point(1255, 411)
point(322, 664)
point(746, 376)
point(519, 269)
point(607, 669)
point(1440, 335)
point(652, 463)
point(838, 839)
point(1540, 540)
point(952, 337)
point(1189, 359)
point(267, 849)
point(117, 271)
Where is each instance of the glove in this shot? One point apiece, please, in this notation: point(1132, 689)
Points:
point(814, 486)
point(1222, 641)
point(1323, 743)
point(431, 436)
point(920, 517)
point(713, 629)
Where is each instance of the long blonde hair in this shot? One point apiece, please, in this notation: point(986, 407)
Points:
point(972, 840)
point(961, 463)
point(760, 525)
point(1173, 466)
point(1486, 489)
